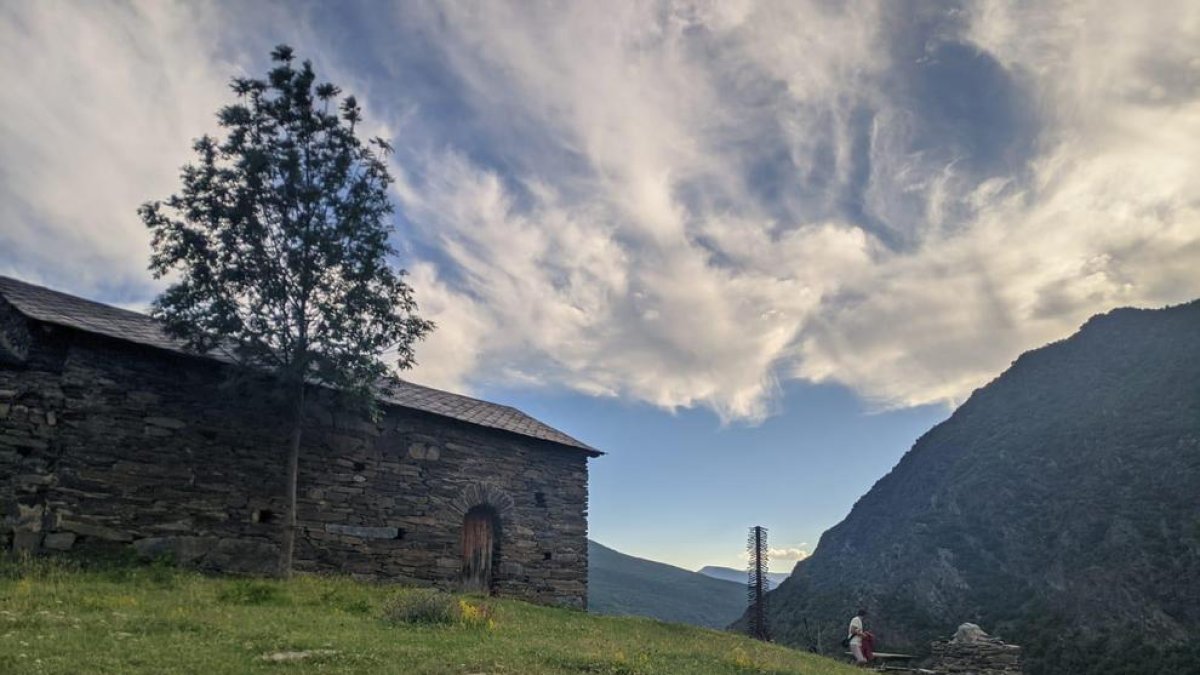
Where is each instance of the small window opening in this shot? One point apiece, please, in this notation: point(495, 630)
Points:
point(546, 555)
point(262, 516)
point(540, 499)
point(399, 533)
point(359, 466)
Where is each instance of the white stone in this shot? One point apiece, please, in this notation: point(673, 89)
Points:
point(969, 632)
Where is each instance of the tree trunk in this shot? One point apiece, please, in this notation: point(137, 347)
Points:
point(293, 477)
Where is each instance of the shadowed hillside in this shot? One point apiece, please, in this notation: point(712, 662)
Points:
point(739, 576)
point(621, 584)
point(1058, 508)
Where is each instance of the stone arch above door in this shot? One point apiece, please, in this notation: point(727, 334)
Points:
point(483, 494)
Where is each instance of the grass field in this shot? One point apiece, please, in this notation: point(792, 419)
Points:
point(57, 617)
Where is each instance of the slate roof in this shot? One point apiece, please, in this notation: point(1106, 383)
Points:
point(54, 307)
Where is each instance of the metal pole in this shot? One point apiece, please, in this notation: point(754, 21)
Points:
point(756, 544)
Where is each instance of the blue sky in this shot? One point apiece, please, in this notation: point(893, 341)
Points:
point(683, 489)
point(747, 247)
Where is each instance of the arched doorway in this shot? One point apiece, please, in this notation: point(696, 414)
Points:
point(480, 544)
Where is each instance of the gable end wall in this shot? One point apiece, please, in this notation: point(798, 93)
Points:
point(15, 338)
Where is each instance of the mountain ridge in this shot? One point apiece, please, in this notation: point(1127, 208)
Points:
point(1055, 507)
point(740, 576)
point(623, 585)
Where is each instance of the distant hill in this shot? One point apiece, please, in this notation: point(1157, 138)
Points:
point(739, 576)
point(623, 585)
point(1058, 508)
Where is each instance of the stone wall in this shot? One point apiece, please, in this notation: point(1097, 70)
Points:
point(973, 652)
point(105, 444)
point(15, 337)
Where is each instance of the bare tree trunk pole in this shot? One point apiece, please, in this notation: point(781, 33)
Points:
point(293, 478)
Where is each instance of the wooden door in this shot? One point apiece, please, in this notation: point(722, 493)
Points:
point(478, 545)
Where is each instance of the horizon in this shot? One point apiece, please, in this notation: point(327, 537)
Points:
point(752, 251)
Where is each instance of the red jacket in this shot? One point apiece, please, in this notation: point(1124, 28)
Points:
point(868, 645)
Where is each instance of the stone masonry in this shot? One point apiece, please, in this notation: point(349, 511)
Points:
point(107, 443)
point(973, 652)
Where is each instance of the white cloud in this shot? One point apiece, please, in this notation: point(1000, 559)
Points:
point(719, 298)
point(1110, 217)
point(779, 554)
point(606, 280)
point(684, 203)
point(99, 104)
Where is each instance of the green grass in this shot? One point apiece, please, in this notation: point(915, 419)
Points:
point(58, 617)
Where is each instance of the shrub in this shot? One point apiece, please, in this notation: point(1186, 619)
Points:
point(475, 614)
point(431, 607)
point(422, 607)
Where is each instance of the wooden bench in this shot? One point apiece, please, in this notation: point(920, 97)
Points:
point(883, 662)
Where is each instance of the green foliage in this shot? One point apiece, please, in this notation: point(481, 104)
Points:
point(277, 243)
point(59, 619)
point(349, 603)
point(22, 565)
point(430, 607)
point(119, 567)
point(252, 592)
point(278, 248)
point(422, 607)
point(1127, 653)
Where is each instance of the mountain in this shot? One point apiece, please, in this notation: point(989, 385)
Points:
point(1058, 508)
point(739, 576)
point(623, 585)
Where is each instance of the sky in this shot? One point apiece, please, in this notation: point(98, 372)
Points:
point(751, 249)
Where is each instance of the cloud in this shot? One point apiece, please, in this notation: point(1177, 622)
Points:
point(649, 269)
point(566, 301)
point(774, 555)
point(796, 554)
point(1105, 214)
point(96, 115)
point(99, 108)
point(685, 203)
point(899, 200)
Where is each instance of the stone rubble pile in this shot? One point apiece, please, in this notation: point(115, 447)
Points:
point(973, 652)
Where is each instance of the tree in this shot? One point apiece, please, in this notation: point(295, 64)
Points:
point(278, 248)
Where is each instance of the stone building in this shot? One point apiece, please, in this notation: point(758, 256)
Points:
point(112, 435)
